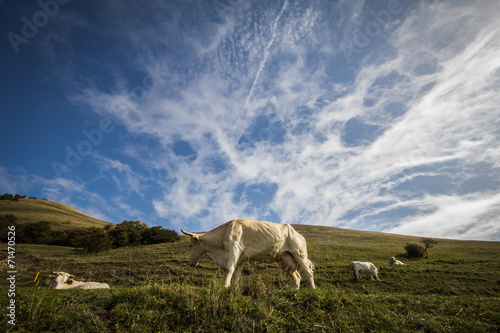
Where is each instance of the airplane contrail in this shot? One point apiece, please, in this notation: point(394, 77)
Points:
point(266, 55)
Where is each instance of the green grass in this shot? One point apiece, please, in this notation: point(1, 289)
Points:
point(62, 216)
point(153, 289)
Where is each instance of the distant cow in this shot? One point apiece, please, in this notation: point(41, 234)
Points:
point(237, 241)
point(393, 261)
point(368, 267)
point(64, 280)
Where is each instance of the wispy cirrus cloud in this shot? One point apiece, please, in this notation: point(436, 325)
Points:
point(260, 110)
point(409, 115)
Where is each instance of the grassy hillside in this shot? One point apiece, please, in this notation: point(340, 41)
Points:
point(457, 289)
point(63, 216)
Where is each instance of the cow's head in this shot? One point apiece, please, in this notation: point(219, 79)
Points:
point(197, 251)
point(60, 278)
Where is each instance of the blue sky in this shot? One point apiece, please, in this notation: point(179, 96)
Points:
point(369, 115)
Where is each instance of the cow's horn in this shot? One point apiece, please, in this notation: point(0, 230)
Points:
point(194, 236)
point(188, 233)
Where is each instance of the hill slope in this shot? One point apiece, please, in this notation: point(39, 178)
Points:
point(35, 210)
point(154, 290)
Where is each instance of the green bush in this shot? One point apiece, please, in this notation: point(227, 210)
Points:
point(95, 240)
point(35, 233)
point(8, 219)
point(127, 233)
point(414, 250)
point(156, 235)
point(119, 237)
point(131, 233)
point(5, 222)
point(8, 196)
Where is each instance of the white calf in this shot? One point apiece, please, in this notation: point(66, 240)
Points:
point(393, 261)
point(368, 267)
point(64, 280)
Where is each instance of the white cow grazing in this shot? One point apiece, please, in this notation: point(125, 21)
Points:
point(64, 280)
point(368, 267)
point(237, 241)
point(393, 261)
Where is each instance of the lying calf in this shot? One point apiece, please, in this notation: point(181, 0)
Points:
point(64, 280)
point(393, 261)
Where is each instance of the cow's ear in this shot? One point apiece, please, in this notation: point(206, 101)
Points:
point(196, 238)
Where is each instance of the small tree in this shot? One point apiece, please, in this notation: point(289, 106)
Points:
point(414, 250)
point(428, 243)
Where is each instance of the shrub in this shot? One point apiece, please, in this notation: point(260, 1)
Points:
point(59, 237)
point(35, 233)
point(95, 240)
point(119, 237)
point(5, 222)
point(75, 236)
point(134, 238)
point(131, 233)
point(127, 233)
point(8, 219)
point(8, 196)
point(156, 235)
point(414, 250)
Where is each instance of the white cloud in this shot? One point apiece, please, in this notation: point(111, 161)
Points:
point(432, 105)
point(9, 183)
point(122, 174)
point(469, 217)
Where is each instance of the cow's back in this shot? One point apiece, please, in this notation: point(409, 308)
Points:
point(248, 231)
point(259, 240)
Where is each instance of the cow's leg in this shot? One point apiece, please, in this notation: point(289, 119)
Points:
point(296, 279)
point(229, 275)
point(237, 274)
point(234, 257)
point(356, 273)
